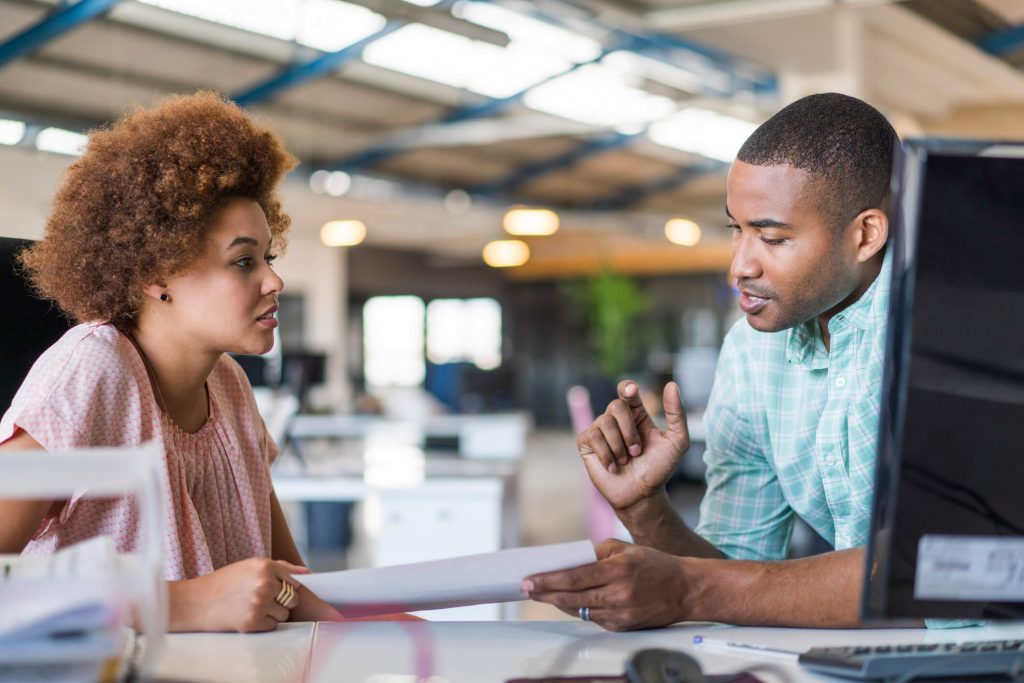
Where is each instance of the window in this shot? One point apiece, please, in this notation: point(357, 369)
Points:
point(393, 341)
point(464, 330)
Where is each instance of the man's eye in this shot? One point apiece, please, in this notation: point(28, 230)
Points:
point(773, 242)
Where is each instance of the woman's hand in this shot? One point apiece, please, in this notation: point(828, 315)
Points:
point(239, 597)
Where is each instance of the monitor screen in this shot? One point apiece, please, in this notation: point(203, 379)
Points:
point(947, 535)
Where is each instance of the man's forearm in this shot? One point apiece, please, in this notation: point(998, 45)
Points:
point(653, 522)
point(815, 592)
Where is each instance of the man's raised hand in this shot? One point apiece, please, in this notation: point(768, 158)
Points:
point(627, 457)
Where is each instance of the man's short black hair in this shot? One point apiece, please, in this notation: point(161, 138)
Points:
point(844, 143)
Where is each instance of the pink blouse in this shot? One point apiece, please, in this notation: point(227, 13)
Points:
point(91, 389)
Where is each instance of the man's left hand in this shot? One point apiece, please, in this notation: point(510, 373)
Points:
point(629, 587)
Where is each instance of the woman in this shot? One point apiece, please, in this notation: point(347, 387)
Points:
point(160, 244)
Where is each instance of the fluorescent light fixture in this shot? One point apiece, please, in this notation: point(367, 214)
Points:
point(703, 132)
point(682, 231)
point(536, 51)
point(599, 95)
point(525, 31)
point(60, 141)
point(506, 253)
point(423, 3)
point(11, 132)
point(537, 222)
point(327, 25)
point(343, 233)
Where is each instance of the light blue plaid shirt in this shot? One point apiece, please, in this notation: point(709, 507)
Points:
point(792, 429)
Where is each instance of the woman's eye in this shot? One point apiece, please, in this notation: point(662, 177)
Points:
point(270, 258)
point(244, 262)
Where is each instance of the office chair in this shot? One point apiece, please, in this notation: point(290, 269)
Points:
point(30, 324)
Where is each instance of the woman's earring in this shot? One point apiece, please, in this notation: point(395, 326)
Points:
point(164, 297)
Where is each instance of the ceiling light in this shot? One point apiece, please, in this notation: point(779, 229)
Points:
point(506, 253)
point(11, 132)
point(536, 222)
point(682, 231)
point(343, 233)
point(337, 183)
point(60, 141)
point(457, 202)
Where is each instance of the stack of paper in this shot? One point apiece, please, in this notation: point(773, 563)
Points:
point(61, 612)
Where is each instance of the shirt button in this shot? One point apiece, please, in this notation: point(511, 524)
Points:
point(840, 382)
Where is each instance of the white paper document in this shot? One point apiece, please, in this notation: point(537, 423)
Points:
point(454, 582)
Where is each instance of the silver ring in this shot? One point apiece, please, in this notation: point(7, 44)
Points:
point(584, 614)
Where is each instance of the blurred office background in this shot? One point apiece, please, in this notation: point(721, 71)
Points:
point(503, 208)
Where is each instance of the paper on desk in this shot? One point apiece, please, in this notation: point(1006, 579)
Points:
point(454, 582)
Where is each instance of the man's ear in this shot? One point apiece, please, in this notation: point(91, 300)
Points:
point(871, 231)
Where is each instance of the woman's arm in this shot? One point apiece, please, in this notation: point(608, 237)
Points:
point(19, 518)
point(310, 607)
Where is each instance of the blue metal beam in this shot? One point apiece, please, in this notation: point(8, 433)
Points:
point(56, 24)
point(757, 79)
point(321, 66)
point(1004, 41)
point(632, 194)
point(376, 154)
point(530, 171)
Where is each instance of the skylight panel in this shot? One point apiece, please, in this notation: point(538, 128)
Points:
point(327, 25)
point(60, 141)
point(598, 95)
point(703, 132)
point(11, 132)
point(460, 62)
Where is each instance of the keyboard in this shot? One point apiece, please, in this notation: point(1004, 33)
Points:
point(918, 661)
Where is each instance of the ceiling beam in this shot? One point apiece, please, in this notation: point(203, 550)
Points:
point(525, 174)
point(633, 194)
point(1004, 41)
point(56, 24)
point(731, 12)
point(389, 148)
point(430, 16)
point(318, 67)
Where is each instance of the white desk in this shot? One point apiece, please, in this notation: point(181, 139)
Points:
point(465, 652)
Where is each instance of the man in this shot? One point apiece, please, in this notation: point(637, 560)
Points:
point(793, 417)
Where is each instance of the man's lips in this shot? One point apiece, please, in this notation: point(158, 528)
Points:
point(751, 303)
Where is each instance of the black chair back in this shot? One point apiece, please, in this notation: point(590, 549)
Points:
point(28, 324)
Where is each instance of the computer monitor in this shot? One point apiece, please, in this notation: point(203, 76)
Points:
point(947, 537)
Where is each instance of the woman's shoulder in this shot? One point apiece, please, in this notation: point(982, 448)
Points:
point(91, 352)
point(84, 390)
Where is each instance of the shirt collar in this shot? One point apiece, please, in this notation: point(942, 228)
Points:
point(804, 345)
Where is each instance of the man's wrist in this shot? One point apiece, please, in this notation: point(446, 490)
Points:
point(651, 508)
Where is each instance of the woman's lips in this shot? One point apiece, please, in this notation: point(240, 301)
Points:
point(751, 304)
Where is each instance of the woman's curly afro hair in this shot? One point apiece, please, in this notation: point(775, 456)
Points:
point(134, 209)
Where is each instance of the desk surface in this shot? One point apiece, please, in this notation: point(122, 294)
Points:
point(493, 652)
